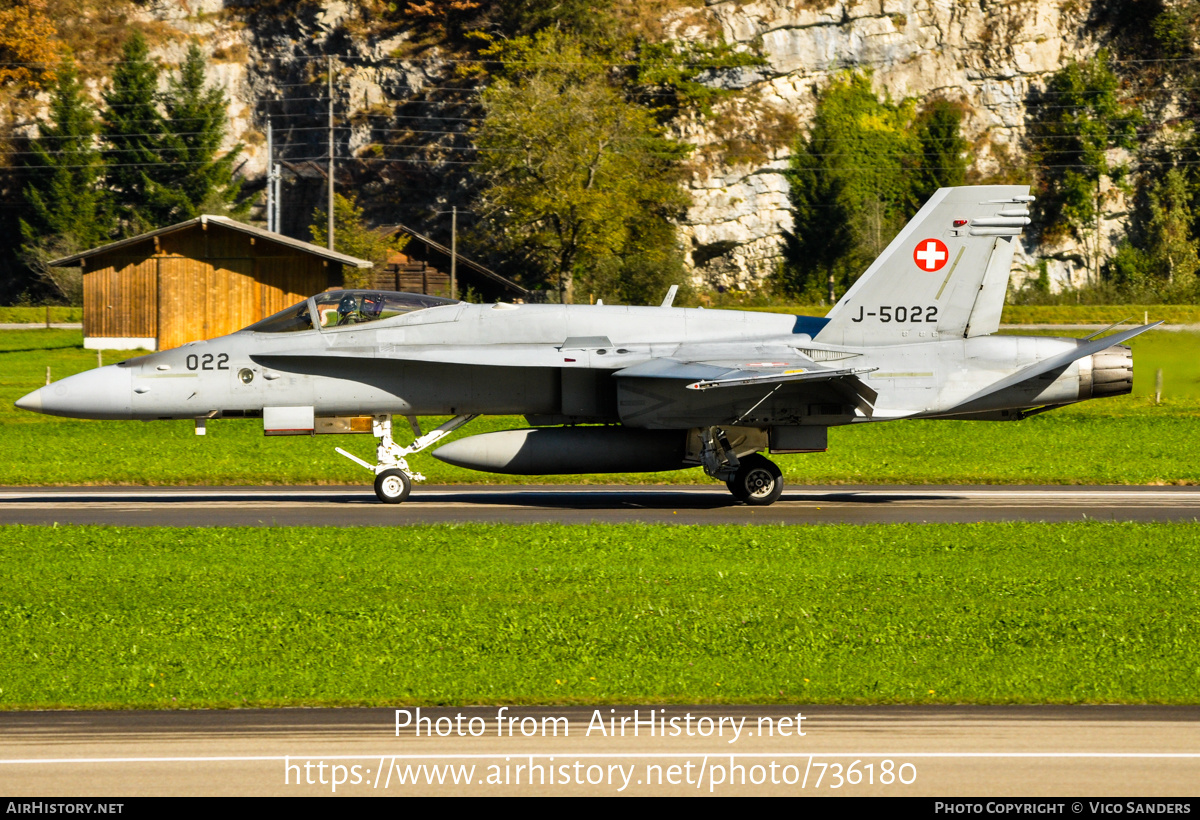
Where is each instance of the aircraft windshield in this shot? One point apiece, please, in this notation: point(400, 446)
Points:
point(352, 307)
point(339, 308)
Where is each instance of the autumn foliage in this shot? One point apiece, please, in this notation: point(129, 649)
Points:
point(28, 45)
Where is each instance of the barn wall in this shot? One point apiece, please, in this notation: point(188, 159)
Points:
point(284, 281)
point(120, 300)
point(203, 298)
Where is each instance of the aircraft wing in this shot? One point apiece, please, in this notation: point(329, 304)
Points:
point(722, 372)
point(706, 375)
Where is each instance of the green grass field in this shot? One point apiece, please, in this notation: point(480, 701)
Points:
point(1127, 440)
point(184, 618)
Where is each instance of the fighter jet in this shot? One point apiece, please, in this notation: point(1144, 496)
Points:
point(608, 388)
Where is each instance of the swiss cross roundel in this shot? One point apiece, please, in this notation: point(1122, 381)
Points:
point(931, 255)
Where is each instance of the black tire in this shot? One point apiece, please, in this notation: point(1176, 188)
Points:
point(758, 481)
point(392, 486)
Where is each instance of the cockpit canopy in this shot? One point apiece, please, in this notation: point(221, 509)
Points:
point(338, 308)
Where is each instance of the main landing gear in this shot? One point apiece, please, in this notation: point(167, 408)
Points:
point(757, 482)
point(753, 479)
point(393, 478)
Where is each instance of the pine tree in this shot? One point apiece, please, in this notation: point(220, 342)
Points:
point(196, 180)
point(68, 209)
point(135, 133)
point(1169, 242)
point(864, 168)
point(943, 160)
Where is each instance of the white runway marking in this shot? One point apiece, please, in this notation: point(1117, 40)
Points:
point(533, 503)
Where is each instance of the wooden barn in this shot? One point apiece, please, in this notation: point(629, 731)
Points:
point(202, 278)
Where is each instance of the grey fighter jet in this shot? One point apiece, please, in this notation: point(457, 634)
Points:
point(610, 388)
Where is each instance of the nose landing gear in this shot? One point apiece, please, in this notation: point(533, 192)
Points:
point(393, 477)
point(392, 486)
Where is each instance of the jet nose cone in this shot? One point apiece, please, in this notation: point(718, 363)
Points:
point(103, 393)
point(32, 401)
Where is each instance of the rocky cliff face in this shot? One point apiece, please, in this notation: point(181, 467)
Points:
point(988, 54)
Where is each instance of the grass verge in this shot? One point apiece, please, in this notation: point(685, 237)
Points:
point(37, 315)
point(98, 617)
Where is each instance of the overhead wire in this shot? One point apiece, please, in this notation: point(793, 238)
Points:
point(474, 90)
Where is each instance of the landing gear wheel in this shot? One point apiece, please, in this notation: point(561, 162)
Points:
point(758, 481)
point(392, 486)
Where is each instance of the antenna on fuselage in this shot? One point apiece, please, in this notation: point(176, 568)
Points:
point(669, 299)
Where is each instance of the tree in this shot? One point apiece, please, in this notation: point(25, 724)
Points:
point(821, 240)
point(650, 264)
point(1079, 120)
point(864, 168)
point(196, 180)
point(28, 50)
point(943, 159)
point(1170, 243)
point(352, 237)
point(851, 184)
point(66, 204)
point(136, 135)
point(1160, 258)
point(674, 76)
point(570, 168)
point(446, 18)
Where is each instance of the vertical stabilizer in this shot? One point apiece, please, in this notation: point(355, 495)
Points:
point(943, 276)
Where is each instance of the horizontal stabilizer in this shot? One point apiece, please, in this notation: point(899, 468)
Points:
point(1062, 360)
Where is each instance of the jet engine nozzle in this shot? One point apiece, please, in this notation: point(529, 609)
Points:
point(1107, 373)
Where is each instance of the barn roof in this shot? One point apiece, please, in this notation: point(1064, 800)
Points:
point(388, 230)
point(225, 222)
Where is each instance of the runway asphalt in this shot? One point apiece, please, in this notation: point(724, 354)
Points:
point(357, 506)
point(1061, 752)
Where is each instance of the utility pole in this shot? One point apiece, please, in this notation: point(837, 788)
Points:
point(277, 179)
point(270, 179)
point(274, 176)
point(454, 253)
point(453, 250)
point(329, 67)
